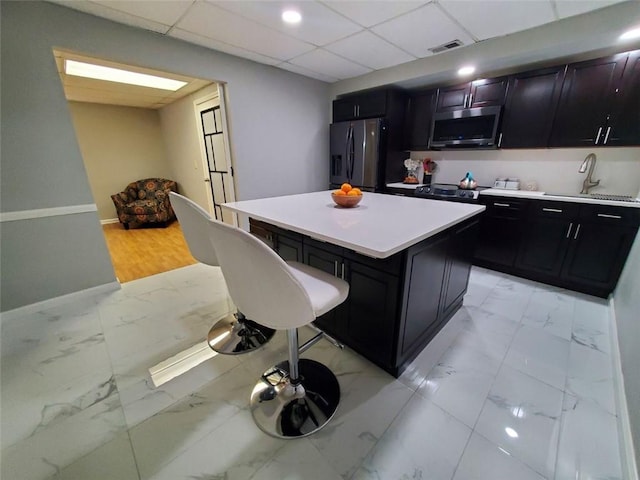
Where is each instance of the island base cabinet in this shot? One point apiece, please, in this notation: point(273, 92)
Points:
point(396, 305)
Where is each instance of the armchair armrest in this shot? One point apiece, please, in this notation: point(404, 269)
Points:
point(120, 200)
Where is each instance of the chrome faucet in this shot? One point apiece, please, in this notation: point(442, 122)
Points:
point(588, 183)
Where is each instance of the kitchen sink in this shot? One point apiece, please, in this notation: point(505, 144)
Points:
point(595, 196)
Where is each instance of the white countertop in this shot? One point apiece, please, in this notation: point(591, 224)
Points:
point(543, 196)
point(379, 226)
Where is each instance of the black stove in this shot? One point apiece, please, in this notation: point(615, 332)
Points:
point(447, 192)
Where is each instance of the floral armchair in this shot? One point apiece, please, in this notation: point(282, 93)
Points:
point(145, 201)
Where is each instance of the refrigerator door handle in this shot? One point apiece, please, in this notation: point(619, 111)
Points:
point(352, 157)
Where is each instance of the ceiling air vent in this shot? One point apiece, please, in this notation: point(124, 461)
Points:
point(446, 46)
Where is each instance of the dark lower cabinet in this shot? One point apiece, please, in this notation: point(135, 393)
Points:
point(396, 304)
point(582, 247)
point(500, 231)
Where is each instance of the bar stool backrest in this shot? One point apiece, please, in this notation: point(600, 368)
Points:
point(194, 221)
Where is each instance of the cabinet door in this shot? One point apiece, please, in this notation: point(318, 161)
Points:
point(487, 93)
point(331, 263)
point(344, 109)
point(531, 104)
point(418, 122)
point(370, 311)
point(546, 236)
point(373, 104)
point(500, 232)
point(288, 248)
point(597, 254)
point(452, 98)
point(425, 275)
point(625, 121)
point(459, 258)
point(586, 100)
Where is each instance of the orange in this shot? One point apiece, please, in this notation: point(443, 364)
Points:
point(339, 192)
point(345, 187)
point(356, 190)
point(354, 193)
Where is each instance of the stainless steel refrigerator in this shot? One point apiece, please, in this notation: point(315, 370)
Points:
point(357, 154)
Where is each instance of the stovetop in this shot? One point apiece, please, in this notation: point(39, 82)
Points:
point(447, 192)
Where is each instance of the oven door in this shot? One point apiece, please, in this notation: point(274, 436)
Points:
point(468, 128)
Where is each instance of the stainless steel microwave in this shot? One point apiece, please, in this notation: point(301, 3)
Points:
point(467, 128)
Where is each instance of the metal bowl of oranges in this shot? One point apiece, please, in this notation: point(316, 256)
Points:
point(346, 196)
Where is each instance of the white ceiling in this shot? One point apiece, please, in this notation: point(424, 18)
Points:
point(336, 40)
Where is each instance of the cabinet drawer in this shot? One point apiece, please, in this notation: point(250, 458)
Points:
point(504, 205)
point(610, 215)
point(553, 209)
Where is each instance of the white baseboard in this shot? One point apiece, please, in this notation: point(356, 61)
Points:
point(108, 221)
point(629, 466)
point(54, 302)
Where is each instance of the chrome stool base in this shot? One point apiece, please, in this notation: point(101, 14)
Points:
point(284, 410)
point(234, 335)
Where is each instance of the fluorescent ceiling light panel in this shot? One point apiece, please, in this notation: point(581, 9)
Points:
point(628, 35)
point(88, 70)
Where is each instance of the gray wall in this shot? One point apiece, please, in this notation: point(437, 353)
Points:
point(626, 300)
point(278, 127)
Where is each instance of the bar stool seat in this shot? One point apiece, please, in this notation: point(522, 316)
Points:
point(234, 334)
point(296, 397)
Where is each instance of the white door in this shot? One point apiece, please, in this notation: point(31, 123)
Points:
point(217, 167)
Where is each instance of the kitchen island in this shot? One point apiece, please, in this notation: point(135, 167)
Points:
point(407, 262)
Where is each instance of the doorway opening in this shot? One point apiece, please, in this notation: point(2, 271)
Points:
point(128, 133)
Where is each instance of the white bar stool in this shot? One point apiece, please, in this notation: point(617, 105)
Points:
point(296, 397)
point(234, 334)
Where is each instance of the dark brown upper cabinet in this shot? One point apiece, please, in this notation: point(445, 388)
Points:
point(418, 120)
point(587, 107)
point(530, 107)
point(479, 93)
point(625, 119)
point(362, 105)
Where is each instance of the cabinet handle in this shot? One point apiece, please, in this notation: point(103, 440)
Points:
point(606, 135)
point(342, 272)
point(470, 99)
point(575, 237)
point(555, 210)
point(464, 102)
point(500, 140)
point(569, 231)
point(598, 135)
point(358, 110)
point(496, 204)
point(606, 215)
point(335, 268)
point(355, 111)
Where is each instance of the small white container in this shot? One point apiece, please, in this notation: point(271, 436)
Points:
point(500, 183)
point(512, 184)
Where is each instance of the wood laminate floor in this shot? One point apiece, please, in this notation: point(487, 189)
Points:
point(142, 252)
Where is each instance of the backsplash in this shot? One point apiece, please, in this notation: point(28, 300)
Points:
point(554, 170)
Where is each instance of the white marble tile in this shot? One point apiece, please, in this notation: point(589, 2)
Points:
point(588, 442)
point(590, 376)
point(483, 460)
point(490, 333)
point(476, 294)
point(141, 398)
point(366, 410)
point(483, 276)
point(508, 298)
point(591, 324)
point(170, 432)
point(551, 311)
point(522, 416)
point(234, 451)
point(459, 384)
point(416, 372)
point(46, 452)
point(541, 355)
point(112, 461)
point(423, 442)
point(297, 460)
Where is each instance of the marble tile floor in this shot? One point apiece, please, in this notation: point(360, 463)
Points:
point(518, 385)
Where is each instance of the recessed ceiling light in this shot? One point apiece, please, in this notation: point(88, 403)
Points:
point(511, 432)
point(291, 16)
point(99, 72)
point(629, 34)
point(466, 71)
